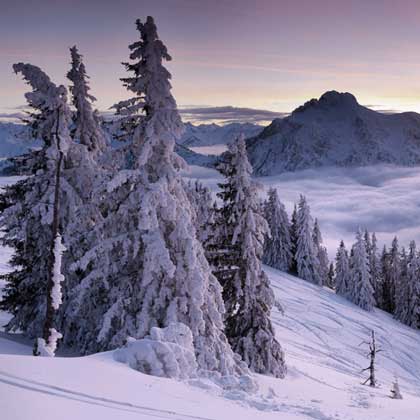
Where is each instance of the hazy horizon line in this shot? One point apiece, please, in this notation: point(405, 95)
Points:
point(206, 114)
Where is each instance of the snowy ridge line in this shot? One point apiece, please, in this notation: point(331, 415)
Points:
point(96, 400)
point(335, 130)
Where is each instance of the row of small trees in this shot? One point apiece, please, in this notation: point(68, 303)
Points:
point(126, 233)
point(390, 280)
point(295, 246)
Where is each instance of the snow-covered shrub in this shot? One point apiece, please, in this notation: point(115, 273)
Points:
point(166, 352)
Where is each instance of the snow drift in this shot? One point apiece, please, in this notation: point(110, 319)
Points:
point(166, 352)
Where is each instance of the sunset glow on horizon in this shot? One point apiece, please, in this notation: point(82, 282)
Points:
point(267, 54)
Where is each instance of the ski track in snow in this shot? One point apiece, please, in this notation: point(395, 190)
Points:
point(44, 388)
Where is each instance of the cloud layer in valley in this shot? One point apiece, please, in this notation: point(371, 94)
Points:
point(382, 198)
point(228, 114)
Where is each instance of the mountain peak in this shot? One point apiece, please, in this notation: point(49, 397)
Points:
point(330, 99)
point(333, 97)
point(335, 130)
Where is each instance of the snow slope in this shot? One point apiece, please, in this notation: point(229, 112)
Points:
point(320, 333)
point(335, 131)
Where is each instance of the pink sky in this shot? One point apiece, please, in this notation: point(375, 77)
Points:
point(263, 54)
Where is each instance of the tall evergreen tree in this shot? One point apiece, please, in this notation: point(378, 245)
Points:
point(393, 276)
point(222, 253)
point(407, 309)
point(149, 269)
point(306, 253)
point(342, 271)
point(203, 206)
point(293, 239)
point(384, 295)
point(248, 297)
point(375, 268)
point(57, 201)
point(87, 129)
point(360, 288)
point(368, 242)
point(321, 253)
point(278, 246)
point(34, 217)
point(401, 289)
point(413, 282)
point(331, 277)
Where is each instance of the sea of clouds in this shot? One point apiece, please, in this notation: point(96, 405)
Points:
point(383, 198)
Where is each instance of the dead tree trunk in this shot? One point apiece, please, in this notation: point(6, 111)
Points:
point(49, 316)
point(373, 350)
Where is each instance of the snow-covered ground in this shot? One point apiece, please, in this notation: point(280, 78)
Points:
point(319, 331)
point(382, 198)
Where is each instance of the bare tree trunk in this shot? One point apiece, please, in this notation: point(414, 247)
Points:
point(372, 379)
point(372, 354)
point(49, 316)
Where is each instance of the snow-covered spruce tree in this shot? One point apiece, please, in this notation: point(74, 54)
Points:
point(374, 265)
point(401, 288)
point(360, 289)
point(87, 129)
point(321, 253)
point(407, 299)
point(342, 271)
point(85, 175)
point(331, 277)
point(277, 246)
point(149, 270)
point(248, 296)
point(293, 239)
point(368, 242)
point(384, 293)
point(33, 219)
point(306, 253)
point(221, 252)
point(413, 280)
point(203, 206)
point(392, 278)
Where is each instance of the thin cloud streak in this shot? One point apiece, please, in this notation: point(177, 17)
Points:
point(229, 114)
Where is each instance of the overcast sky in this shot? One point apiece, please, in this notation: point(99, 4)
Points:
point(265, 54)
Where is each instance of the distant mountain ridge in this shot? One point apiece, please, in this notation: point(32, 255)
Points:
point(335, 130)
point(15, 140)
point(212, 134)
